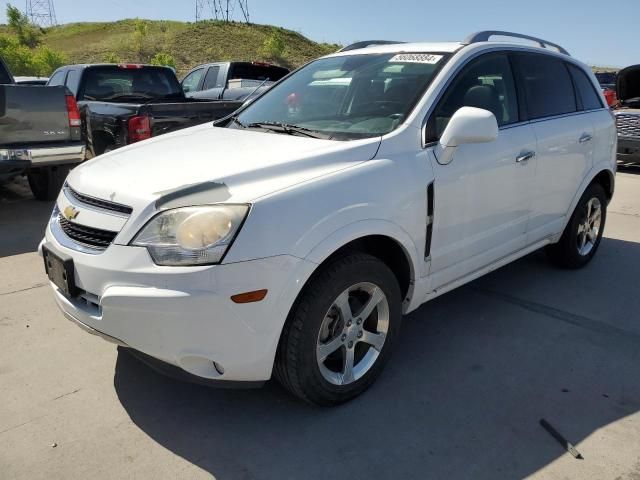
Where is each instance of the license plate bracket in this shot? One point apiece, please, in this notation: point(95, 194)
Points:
point(60, 271)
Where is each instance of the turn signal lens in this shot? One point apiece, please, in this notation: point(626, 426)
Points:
point(250, 297)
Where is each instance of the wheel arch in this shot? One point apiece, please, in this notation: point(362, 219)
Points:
point(607, 180)
point(381, 239)
point(600, 174)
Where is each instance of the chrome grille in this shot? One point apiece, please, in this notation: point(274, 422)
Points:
point(97, 202)
point(89, 236)
point(628, 125)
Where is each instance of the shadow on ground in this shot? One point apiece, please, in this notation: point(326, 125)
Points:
point(474, 372)
point(23, 219)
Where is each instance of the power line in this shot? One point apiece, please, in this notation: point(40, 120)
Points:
point(41, 12)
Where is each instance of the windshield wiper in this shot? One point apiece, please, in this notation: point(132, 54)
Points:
point(289, 129)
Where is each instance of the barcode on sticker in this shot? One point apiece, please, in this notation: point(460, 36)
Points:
point(416, 58)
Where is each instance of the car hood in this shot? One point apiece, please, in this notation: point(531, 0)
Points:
point(628, 83)
point(207, 164)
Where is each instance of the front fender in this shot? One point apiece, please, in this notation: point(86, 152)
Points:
point(356, 230)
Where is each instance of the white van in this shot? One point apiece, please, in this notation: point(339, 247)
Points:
point(290, 238)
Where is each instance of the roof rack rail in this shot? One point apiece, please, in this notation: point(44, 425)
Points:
point(367, 43)
point(485, 35)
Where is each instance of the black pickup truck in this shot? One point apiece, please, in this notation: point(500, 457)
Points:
point(40, 135)
point(127, 103)
point(231, 80)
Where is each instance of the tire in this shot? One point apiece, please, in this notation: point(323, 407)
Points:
point(98, 146)
point(577, 247)
point(316, 325)
point(45, 183)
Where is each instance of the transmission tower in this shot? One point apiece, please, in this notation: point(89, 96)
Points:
point(221, 9)
point(41, 12)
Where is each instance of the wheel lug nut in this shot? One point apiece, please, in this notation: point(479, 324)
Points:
point(359, 321)
point(360, 334)
point(349, 323)
point(344, 337)
point(350, 344)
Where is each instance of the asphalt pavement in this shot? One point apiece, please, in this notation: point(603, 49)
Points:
point(474, 373)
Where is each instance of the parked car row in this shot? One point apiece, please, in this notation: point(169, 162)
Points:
point(118, 105)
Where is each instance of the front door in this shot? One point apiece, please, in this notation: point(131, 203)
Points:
point(483, 197)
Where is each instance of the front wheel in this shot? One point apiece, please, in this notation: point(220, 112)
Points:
point(341, 331)
point(582, 235)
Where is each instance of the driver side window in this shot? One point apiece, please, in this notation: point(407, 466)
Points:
point(486, 82)
point(190, 82)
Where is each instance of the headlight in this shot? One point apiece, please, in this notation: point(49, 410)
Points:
point(191, 235)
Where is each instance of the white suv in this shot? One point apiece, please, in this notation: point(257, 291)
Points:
point(293, 236)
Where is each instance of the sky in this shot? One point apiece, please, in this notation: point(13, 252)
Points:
point(594, 31)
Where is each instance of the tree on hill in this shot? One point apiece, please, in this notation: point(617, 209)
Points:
point(28, 34)
point(22, 50)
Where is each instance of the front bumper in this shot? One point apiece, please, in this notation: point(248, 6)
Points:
point(629, 149)
point(184, 316)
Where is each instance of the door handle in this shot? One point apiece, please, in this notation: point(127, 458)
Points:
point(585, 138)
point(525, 157)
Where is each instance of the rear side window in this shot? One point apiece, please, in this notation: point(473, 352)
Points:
point(73, 79)
point(211, 80)
point(57, 79)
point(487, 83)
point(547, 85)
point(587, 95)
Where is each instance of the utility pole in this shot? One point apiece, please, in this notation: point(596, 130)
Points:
point(41, 12)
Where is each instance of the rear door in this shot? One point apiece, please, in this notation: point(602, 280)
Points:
point(564, 134)
point(590, 101)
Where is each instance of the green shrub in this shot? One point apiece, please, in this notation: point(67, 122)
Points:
point(164, 60)
point(111, 57)
point(46, 61)
point(273, 47)
point(18, 57)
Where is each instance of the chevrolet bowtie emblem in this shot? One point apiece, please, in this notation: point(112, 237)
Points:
point(70, 213)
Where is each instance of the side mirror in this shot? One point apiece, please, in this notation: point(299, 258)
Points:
point(468, 125)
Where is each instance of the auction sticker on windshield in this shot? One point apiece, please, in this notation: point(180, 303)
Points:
point(416, 58)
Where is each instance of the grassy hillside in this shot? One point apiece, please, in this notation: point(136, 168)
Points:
point(189, 43)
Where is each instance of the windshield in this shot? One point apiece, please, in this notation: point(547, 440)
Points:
point(115, 83)
point(346, 97)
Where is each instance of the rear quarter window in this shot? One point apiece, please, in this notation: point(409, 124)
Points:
point(587, 95)
point(547, 85)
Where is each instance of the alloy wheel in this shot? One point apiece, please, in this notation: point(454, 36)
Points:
point(589, 228)
point(352, 333)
